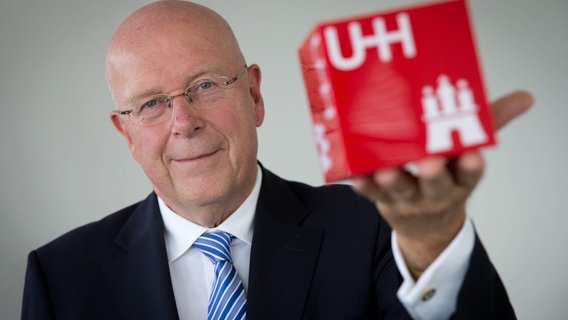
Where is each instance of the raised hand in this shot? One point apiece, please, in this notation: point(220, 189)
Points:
point(427, 207)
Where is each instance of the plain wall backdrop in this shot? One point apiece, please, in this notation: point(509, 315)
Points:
point(63, 165)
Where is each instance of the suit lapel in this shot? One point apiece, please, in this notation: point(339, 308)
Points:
point(283, 259)
point(283, 254)
point(138, 277)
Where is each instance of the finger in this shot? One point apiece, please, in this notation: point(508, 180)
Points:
point(469, 169)
point(509, 107)
point(435, 180)
point(366, 187)
point(397, 184)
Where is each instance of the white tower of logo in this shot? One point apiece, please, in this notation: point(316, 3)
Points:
point(447, 110)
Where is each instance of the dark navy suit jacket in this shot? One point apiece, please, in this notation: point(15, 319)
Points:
point(317, 253)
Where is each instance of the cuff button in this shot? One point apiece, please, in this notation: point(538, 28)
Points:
point(428, 294)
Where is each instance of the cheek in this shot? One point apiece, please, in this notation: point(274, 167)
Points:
point(238, 126)
point(246, 136)
point(147, 146)
point(243, 123)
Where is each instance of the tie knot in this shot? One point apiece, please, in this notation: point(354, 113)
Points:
point(215, 245)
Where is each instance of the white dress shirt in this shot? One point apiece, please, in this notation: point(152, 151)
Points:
point(433, 296)
point(192, 273)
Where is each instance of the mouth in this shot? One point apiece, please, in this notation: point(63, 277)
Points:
point(196, 158)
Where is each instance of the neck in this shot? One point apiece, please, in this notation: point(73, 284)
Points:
point(210, 214)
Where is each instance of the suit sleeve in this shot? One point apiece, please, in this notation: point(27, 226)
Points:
point(483, 295)
point(480, 295)
point(36, 302)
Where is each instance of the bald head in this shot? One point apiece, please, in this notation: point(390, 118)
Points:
point(170, 30)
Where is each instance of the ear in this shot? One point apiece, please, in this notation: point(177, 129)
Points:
point(254, 77)
point(121, 126)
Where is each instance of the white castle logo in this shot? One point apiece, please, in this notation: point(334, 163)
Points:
point(449, 110)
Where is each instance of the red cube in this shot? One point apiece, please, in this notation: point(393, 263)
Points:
point(389, 88)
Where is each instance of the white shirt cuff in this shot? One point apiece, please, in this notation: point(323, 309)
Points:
point(434, 295)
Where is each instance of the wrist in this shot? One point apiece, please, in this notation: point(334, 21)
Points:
point(419, 250)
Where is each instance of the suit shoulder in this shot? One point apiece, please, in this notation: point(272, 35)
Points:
point(90, 234)
point(337, 205)
point(332, 195)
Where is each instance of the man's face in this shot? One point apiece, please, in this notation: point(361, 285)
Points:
point(200, 157)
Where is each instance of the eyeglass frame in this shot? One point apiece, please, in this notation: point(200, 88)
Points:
point(187, 93)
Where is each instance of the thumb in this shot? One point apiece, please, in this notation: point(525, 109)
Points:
point(509, 107)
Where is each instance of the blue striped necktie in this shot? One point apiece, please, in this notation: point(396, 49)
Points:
point(228, 299)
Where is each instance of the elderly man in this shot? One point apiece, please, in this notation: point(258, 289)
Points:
point(221, 237)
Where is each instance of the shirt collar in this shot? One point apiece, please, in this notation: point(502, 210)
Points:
point(180, 233)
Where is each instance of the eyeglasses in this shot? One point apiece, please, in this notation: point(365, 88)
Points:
point(202, 93)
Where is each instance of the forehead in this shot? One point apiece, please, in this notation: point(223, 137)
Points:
point(168, 67)
point(163, 56)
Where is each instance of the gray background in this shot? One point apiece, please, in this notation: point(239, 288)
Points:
point(62, 163)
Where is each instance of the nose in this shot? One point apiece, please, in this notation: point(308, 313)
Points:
point(181, 109)
point(172, 98)
point(185, 118)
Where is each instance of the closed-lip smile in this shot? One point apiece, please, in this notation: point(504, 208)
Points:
point(197, 157)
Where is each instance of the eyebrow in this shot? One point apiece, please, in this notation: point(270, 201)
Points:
point(139, 96)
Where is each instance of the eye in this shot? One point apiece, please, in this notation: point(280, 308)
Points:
point(154, 103)
point(203, 89)
point(205, 85)
point(150, 104)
